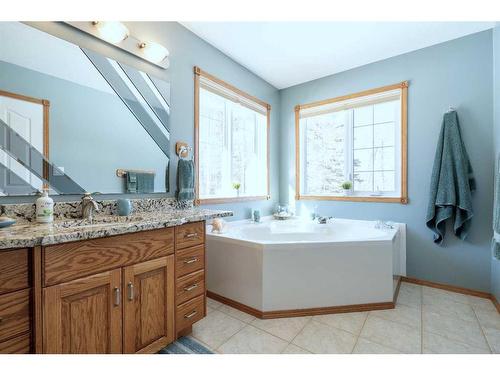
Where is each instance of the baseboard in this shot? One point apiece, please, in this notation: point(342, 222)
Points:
point(495, 302)
point(300, 312)
point(451, 288)
point(235, 304)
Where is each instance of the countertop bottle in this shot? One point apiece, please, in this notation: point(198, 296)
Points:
point(45, 208)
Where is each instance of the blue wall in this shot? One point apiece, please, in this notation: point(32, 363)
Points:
point(457, 73)
point(495, 263)
point(186, 51)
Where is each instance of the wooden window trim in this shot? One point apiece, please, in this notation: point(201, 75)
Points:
point(46, 109)
point(403, 198)
point(198, 201)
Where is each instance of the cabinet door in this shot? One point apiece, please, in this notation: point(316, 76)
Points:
point(148, 294)
point(84, 315)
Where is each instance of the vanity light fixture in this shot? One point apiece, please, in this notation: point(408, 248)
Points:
point(111, 31)
point(153, 52)
point(117, 34)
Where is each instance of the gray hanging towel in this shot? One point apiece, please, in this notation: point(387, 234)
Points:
point(185, 180)
point(452, 183)
point(495, 243)
point(131, 182)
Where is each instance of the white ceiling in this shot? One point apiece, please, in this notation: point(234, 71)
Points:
point(288, 53)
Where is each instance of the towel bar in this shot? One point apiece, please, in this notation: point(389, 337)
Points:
point(123, 172)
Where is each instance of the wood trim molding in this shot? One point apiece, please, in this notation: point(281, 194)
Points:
point(403, 198)
point(300, 312)
point(46, 112)
point(198, 72)
point(232, 199)
point(351, 198)
point(404, 142)
point(495, 302)
point(400, 85)
point(197, 135)
point(297, 152)
point(450, 288)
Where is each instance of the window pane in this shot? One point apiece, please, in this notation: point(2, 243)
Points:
point(384, 181)
point(211, 155)
point(384, 112)
point(384, 159)
point(245, 161)
point(363, 160)
point(367, 149)
point(384, 135)
point(211, 105)
point(363, 181)
point(363, 116)
point(233, 148)
point(324, 153)
point(363, 137)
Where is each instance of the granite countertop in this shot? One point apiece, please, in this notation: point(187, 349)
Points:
point(67, 230)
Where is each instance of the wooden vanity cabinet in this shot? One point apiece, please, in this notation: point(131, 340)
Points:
point(15, 301)
point(148, 305)
point(131, 293)
point(84, 315)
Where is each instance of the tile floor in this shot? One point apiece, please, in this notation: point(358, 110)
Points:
point(425, 320)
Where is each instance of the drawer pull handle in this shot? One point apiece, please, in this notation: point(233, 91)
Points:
point(190, 288)
point(191, 235)
point(117, 296)
point(130, 287)
point(189, 316)
point(192, 260)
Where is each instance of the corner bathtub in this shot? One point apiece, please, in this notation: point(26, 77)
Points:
point(296, 267)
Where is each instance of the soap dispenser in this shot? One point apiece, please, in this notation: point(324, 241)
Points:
point(45, 208)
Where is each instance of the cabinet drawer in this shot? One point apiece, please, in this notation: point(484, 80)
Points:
point(14, 314)
point(17, 345)
point(189, 235)
point(74, 260)
point(189, 260)
point(190, 286)
point(189, 312)
point(14, 270)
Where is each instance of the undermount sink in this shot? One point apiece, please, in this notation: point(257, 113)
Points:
point(98, 220)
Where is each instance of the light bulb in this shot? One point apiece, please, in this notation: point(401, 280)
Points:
point(153, 52)
point(111, 31)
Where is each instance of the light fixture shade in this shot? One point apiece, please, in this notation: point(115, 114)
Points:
point(153, 52)
point(112, 31)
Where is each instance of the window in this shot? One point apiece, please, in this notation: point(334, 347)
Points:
point(232, 130)
point(360, 138)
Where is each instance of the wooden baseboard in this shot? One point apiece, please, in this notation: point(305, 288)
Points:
point(300, 312)
point(495, 302)
point(456, 289)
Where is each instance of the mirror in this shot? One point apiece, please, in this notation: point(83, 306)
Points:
point(76, 121)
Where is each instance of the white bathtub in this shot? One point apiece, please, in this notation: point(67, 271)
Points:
point(297, 264)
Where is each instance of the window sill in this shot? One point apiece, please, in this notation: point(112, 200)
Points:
point(231, 200)
point(401, 200)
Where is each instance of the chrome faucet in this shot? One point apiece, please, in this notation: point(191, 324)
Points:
point(89, 205)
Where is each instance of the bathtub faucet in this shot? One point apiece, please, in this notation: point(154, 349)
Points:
point(323, 219)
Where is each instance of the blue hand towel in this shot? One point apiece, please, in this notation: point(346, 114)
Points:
point(452, 183)
point(185, 180)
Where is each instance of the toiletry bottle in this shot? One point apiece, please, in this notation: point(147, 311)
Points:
point(45, 208)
